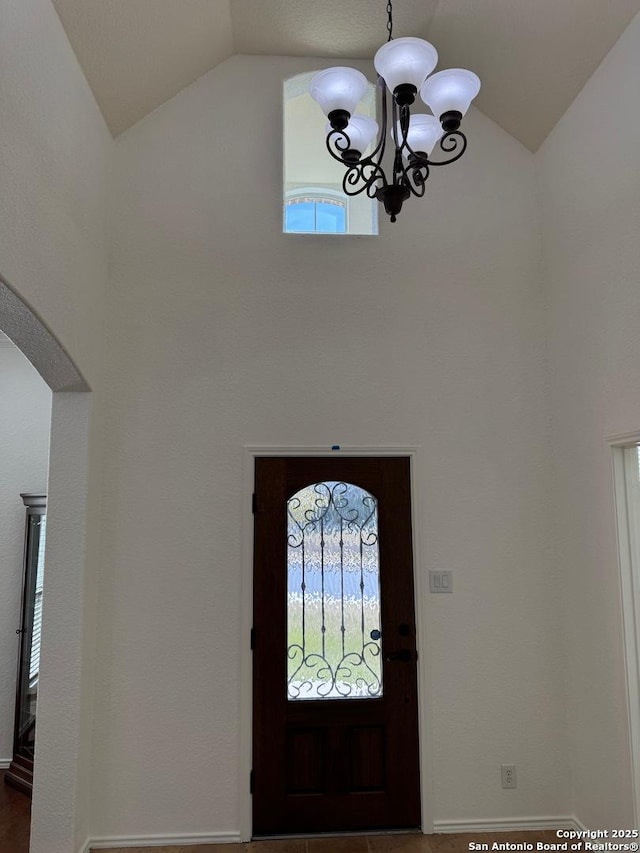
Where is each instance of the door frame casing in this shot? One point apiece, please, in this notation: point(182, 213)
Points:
point(250, 452)
point(630, 605)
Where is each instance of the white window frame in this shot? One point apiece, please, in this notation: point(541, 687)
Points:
point(299, 85)
point(316, 194)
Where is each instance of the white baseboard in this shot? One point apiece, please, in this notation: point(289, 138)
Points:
point(508, 824)
point(122, 841)
point(4, 763)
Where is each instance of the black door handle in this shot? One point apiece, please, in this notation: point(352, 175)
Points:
point(403, 655)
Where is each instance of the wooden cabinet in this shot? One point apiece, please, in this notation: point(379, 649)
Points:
point(20, 773)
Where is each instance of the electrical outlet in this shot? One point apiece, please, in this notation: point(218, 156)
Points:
point(508, 775)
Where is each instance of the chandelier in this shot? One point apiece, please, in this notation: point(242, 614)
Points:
point(403, 67)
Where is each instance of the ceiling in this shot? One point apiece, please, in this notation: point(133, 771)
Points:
point(533, 56)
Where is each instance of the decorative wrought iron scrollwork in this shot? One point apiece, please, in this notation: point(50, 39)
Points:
point(455, 143)
point(334, 603)
point(411, 169)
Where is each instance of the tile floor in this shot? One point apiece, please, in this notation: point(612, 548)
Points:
point(369, 844)
point(14, 838)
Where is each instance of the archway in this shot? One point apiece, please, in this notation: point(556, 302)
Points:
point(60, 800)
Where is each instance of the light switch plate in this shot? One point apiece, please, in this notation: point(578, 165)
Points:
point(440, 580)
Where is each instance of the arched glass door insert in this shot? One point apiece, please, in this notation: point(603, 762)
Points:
point(333, 593)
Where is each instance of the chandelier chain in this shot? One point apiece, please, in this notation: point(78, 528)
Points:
point(390, 20)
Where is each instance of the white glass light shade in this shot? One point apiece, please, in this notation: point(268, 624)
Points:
point(361, 131)
point(405, 60)
point(452, 89)
point(338, 89)
point(424, 132)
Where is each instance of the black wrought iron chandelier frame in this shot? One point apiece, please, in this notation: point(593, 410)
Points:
point(366, 174)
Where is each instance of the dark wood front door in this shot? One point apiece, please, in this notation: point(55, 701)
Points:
point(335, 717)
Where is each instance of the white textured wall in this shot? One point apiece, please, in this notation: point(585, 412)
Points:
point(590, 191)
point(55, 164)
point(25, 416)
point(54, 160)
point(225, 332)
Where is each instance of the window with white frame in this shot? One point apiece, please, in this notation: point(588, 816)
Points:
point(34, 663)
point(314, 201)
point(315, 210)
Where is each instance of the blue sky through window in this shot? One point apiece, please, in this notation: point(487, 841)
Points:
point(315, 217)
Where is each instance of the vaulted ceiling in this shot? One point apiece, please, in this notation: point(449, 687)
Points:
point(533, 56)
